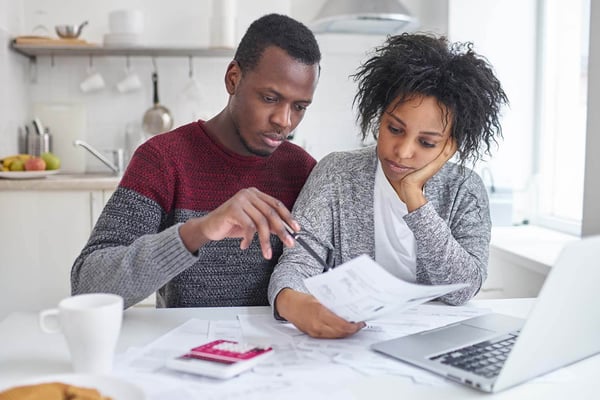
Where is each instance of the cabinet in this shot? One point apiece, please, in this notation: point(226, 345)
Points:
point(42, 234)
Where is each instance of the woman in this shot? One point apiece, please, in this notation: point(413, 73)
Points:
point(402, 202)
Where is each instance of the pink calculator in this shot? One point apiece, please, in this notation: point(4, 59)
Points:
point(220, 358)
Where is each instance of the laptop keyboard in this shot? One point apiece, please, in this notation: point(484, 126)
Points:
point(484, 358)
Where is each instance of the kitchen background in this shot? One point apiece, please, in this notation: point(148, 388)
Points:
point(507, 32)
point(329, 124)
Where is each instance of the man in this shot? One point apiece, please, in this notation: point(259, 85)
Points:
point(174, 223)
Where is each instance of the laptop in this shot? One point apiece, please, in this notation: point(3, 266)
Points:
point(494, 352)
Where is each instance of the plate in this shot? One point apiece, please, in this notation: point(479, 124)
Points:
point(27, 174)
point(110, 386)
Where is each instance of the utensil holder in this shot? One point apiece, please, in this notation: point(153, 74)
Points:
point(37, 144)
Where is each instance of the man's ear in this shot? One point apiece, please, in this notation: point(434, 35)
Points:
point(233, 75)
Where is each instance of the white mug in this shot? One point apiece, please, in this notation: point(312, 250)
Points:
point(130, 82)
point(126, 21)
point(94, 81)
point(91, 324)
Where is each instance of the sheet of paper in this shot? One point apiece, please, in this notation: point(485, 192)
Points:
point(362, 290)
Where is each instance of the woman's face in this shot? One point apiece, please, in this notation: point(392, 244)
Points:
point(411, 135)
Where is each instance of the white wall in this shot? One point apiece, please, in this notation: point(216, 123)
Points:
point(176, 22)
point(505, 33)
point(14, 96)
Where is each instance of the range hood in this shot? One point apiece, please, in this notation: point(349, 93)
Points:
point(371, 17)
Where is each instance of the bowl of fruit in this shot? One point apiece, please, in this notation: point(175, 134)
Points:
point(27, 166)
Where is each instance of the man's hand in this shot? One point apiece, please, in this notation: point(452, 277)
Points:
point(247, 212)
point(311, 317)
point(411, 186)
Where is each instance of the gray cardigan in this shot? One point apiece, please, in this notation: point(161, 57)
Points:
point(452, 230)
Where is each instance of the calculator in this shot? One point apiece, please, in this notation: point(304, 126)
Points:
point(220, 359)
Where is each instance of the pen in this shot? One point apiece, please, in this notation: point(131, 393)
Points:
point(297, 238)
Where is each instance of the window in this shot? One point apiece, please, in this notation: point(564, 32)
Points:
point(561, 125)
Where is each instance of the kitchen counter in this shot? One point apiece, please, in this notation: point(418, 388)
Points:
point(90, 181)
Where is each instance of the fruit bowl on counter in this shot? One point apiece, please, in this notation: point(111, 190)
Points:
point(26, 166)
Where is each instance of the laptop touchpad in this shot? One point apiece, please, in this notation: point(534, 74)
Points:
point(456, 335)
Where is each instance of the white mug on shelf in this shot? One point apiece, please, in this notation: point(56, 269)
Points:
point(130, 82)
point(91, 324)
point(93, 81)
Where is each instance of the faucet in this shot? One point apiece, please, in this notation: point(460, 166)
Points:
point(116, 165)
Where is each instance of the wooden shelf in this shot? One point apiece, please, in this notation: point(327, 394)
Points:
point(34, 50)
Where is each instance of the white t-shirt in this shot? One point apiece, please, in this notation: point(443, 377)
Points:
point(395, 246)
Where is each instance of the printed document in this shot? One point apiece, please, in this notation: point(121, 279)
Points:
point(362, 290)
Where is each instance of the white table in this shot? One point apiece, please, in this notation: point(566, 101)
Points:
point(27, 352)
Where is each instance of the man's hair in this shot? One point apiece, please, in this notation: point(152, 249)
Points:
point(409, 65)
point(281, 31)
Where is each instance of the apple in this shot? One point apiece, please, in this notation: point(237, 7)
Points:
point(35, 164)
point(52, 161)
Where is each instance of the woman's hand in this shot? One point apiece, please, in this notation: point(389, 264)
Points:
point(411, 186)
point(311, 317)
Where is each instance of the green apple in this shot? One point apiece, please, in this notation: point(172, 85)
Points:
point(52, 161)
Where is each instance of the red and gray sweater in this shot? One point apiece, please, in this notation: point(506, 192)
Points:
point(135, 248)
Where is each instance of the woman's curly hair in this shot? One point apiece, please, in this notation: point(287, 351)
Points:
point(463, 82)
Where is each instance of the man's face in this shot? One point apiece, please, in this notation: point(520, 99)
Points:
point(268, 102)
